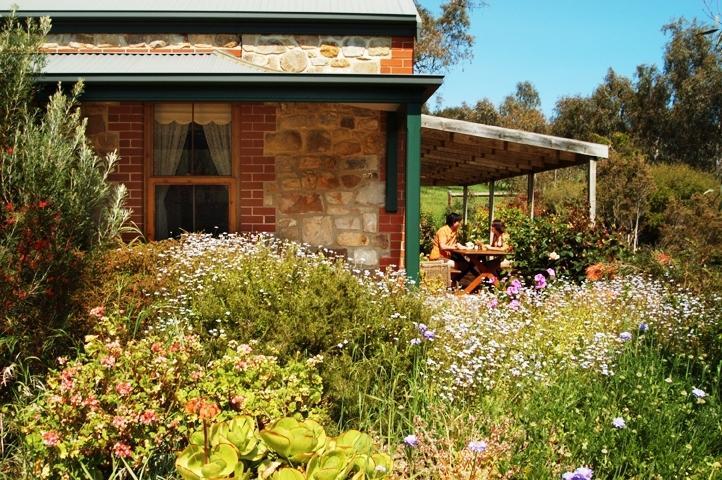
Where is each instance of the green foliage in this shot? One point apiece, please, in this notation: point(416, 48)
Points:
point(428, 232)
point(445, 40)
point(295, 305)
point(625, 188)
point(577, 243)
point(20, 59)
point(56, 207)
point(672, 114)
point(667, 431)
point(674, 183)
point(125, 401)
point(287, 449)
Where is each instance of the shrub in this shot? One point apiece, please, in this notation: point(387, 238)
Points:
point(125, 400)
point(674, 183)
point(57, 208)
point(294, 302)
point(575, 241)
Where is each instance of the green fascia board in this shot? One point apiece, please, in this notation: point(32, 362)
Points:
point(226, 22)
point(252, 87)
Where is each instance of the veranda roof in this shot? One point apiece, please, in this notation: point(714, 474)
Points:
point(456, 152)
point(219, 77)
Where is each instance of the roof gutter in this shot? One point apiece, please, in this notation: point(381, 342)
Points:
point(272, 87)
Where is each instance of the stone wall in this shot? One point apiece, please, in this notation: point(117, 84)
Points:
point(279, 53)
point(328, 189)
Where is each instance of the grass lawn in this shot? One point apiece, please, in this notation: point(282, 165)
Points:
point(434, 200)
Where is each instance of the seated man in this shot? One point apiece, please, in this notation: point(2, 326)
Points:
point(445, 240)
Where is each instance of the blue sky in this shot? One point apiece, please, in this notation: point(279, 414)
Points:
point(564, 47)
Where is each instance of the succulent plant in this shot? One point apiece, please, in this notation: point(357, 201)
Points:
point(293, 440)
point(353, 441)
point(288, 474)
point(221, 462)
point(332, 465)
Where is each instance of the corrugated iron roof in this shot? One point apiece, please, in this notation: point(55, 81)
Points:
point(192, 63)
point(341, 7)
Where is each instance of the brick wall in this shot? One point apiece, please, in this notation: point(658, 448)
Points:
point(256, 169)
point(115, 126)
point(393, 223)
point(402, 57)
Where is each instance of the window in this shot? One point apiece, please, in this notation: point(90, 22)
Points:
point(191, 177)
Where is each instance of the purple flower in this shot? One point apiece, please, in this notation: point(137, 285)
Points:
point(411, 441)
point(493, 303)
point(619, 423)
point(581, 473)
point(429, 335)
point(415, 341)
point(699, 393)
point(643, 327)
point(477, 446)
point(422, 328)
point(514, 304)
point(516, 283)
point(625, 336)
point(539, 281)
point(551, 273)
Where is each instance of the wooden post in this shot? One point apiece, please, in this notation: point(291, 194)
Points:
point(592, 189)
point(491, 207)
point(466, 203)
point(530, 195)
point(413, 190)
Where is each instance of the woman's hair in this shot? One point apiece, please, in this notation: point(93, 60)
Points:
point(452, 218)
point(499, 226)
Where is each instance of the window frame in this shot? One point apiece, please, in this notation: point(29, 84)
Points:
point(151, 180)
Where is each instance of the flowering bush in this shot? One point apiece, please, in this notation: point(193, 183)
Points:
point(293, 301)
point(125, 400)
point(568, 242)
point(56, 206)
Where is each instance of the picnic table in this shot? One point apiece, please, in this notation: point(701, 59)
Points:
point(476, 256)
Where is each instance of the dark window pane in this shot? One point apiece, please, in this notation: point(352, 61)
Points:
point(211, 208)
point(190, 208)
point(173, 210)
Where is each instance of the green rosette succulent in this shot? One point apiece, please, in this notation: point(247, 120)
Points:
point(371, 467)
point(332, 465)
point(288, 474)
point(192, 463)
point(242, 433)
point(353, 442)
point(293, 440)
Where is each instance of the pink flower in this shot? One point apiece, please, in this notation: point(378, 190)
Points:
point(51, 438)
point(66, 379)
point(122, 450)
point(91, 402)
point(123, 389)
point(156, 347)
point(148, 417)
point(493, 303)
point(514, 304)
point(120, 422)
point(97, 312)
point(108, 361)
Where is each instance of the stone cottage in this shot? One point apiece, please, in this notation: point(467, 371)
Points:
point(294, 117)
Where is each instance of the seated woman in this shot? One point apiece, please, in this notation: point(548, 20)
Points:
point(499, 241)
point(446, 240)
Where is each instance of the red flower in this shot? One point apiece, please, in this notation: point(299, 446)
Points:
point(43, 203)
point(9, 150)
